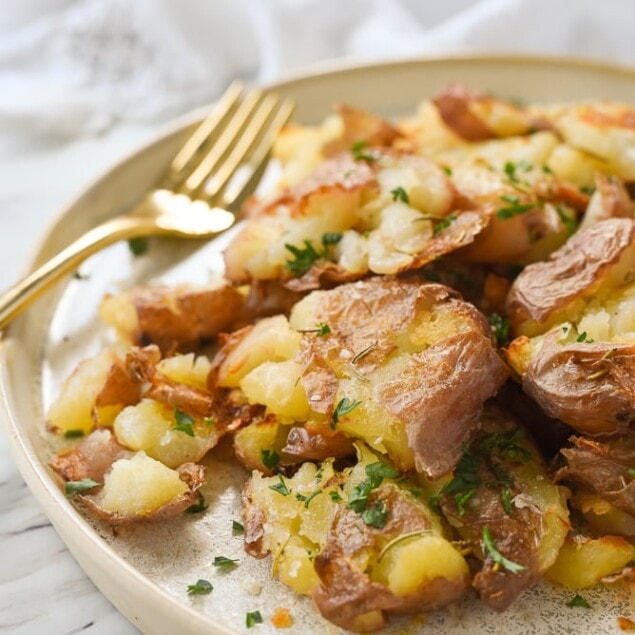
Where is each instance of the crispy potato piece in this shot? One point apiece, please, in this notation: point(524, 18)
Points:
point(142, 489)
point(417, 359)
point(93, 395)
point(501, 485)
point(388, 213)
point(601, 516)
point(590, 266)
point(151, 427)
point(476, 116)
point(357, 569)
point(583, 562)
point(266, 437)
point(610, 200)
point(175, 318)
point(603, 129)
point(91, 458)
point(603, 467)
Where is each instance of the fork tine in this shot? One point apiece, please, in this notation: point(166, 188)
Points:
point(182, 163)
point(222, 146)
point(251, 151)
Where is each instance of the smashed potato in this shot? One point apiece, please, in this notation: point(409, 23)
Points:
point(355, 361)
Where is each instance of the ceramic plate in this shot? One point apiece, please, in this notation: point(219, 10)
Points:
point(145, 570)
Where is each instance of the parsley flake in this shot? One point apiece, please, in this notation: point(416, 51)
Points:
point(73, 434)
point(506, 500)
point(376, 473)
point(500, 328)
point(183, 422)
point(309, 498)
point(237, 528)
point(376, 515)
point(322, 329)
point(399, 194)
point(270, 458)
point(358, 150)
point(514, 208)
point(343, 407)
point(280, 487)
point(138, 246)
point(202, 587)
point(303, 259)
point(447, 169)
point(631, 472)
point(197, 507)
point(77, 487)
point(583, 339)
point(578, 600)
point(252, 618)
point(209, 421)
point(331, 238)
point(335, 496)
point(489, 548)
point(225, 564)
point(512, 168)
point(443, 223)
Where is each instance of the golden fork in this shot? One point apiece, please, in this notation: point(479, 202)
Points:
point(193, 199)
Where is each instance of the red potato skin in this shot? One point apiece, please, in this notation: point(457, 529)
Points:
point(576, 269)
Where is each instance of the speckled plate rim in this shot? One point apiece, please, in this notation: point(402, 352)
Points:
point(146, 605)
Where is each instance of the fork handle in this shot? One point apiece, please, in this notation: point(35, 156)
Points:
point(27, 290)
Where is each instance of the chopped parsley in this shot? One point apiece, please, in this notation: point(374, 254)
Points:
point(514, 207)
point(303, 258)
point(252, 618)
point(280, 487)
point(309, 498)
point(511, 169)
point(443, 223)
point(489, 548)
point(183, 422)
point(578, 600)
point(375, 474)
point(399, 194)
point(224, 563)
point(77, 487)
point(546, 169)
point(78, 275)
point(202, 587)
point(73, 434)
point(589, 190)
point(237, 528)
point(358, 150)
point(376, 515)
point(270, 458)
point(500, 328)
point(331, 238)
point(138, 246)
point(447, 169)
point(631, 472)
point(321, 329)
point(335, 496)
point(209, 421)
point(568, 221)
point(506, 500)
point(343, 407)
point(583, 339)
point(198, 507)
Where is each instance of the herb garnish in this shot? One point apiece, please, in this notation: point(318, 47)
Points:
point(202, 587)
point(309, 498)
point(631, 472)
point(582, 338)
point(447, 169)
point(375, 473)
point(569, 222)
point(280, 487)
point(252, 618)
point(506, 500)
point(73, 434)
point(303, 258)
point(197, 507)
point(500, 328)
point(399, 194)
point(209, 421)
point(512, 168)
point(489, 547)
point(589, 190)
point(183, 422)
point(578, 600)
point(343, 407)
point(359, 153)
point(237, 528)
point(77, 487)
point(335, 496)
point(270, 458)
point(331, 238)
point(443, 223)
point(514, 208)
point(321, 329)
point(376, 515)
point(224, 563)
point(138, 246)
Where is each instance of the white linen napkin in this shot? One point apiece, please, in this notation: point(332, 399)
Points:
point(74, 67)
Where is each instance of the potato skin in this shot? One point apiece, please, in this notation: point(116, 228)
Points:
point(545, 292)
point(591, 387)
point(347, 592)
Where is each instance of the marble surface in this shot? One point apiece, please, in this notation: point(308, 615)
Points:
point(42, 588)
